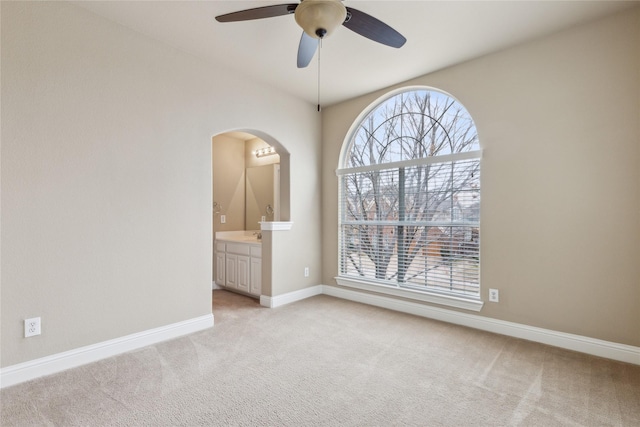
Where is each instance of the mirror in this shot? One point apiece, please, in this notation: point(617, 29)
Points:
point(246, 183)
point(262, 184)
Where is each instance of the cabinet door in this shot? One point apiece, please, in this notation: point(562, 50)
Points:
point(256, 276)
point(243, 273)
point(231, 274)
point(220, 267)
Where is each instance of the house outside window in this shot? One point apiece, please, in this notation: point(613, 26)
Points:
point(409, 194)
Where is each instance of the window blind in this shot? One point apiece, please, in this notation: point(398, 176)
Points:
point(413, 225)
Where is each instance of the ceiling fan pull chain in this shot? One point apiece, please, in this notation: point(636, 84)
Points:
point(319, 50)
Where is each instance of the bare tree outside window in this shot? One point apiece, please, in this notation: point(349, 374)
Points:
point(410, 198)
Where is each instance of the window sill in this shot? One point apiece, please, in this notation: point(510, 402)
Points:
point(468, 303)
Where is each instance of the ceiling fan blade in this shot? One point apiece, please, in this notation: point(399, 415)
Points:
point(306, 50)
point(258, 13)
point(372, 28)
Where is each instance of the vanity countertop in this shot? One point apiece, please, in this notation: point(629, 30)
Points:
point(239, 237)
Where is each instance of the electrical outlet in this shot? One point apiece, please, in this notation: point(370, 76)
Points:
point(263, 218)
point(306, 272)
point(494, 295)
point(31, 327)
point(223, 219)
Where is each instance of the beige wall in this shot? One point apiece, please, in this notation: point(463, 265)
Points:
point(228, 160)
point(559, 123)
point(107, 179)
point(106, 222)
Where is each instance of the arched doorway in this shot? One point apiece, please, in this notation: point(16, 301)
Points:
point(243, 197)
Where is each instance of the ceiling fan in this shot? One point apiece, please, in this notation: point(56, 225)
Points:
point(318, 19)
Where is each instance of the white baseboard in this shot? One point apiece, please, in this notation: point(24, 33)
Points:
point(59, 362)
point(595, 347)
point(48, 365)
point(290, 297)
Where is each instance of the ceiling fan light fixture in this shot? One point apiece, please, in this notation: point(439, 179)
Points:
point(319, 18)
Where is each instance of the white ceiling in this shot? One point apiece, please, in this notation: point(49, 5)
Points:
point(439, 34)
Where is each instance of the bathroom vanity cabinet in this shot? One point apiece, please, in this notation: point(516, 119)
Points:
point(239, 266)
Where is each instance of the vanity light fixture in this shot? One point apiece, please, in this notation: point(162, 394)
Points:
point(267, 151)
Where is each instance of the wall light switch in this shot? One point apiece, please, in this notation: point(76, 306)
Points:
point(223, 219)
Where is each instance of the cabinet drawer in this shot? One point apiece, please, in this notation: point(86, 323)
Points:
point(238, 248)
point(220, 246)
point(256, 251)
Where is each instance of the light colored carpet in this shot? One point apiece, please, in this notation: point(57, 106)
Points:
point(325, 361)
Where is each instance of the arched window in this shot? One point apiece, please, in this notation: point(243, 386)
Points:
point(410, 198)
